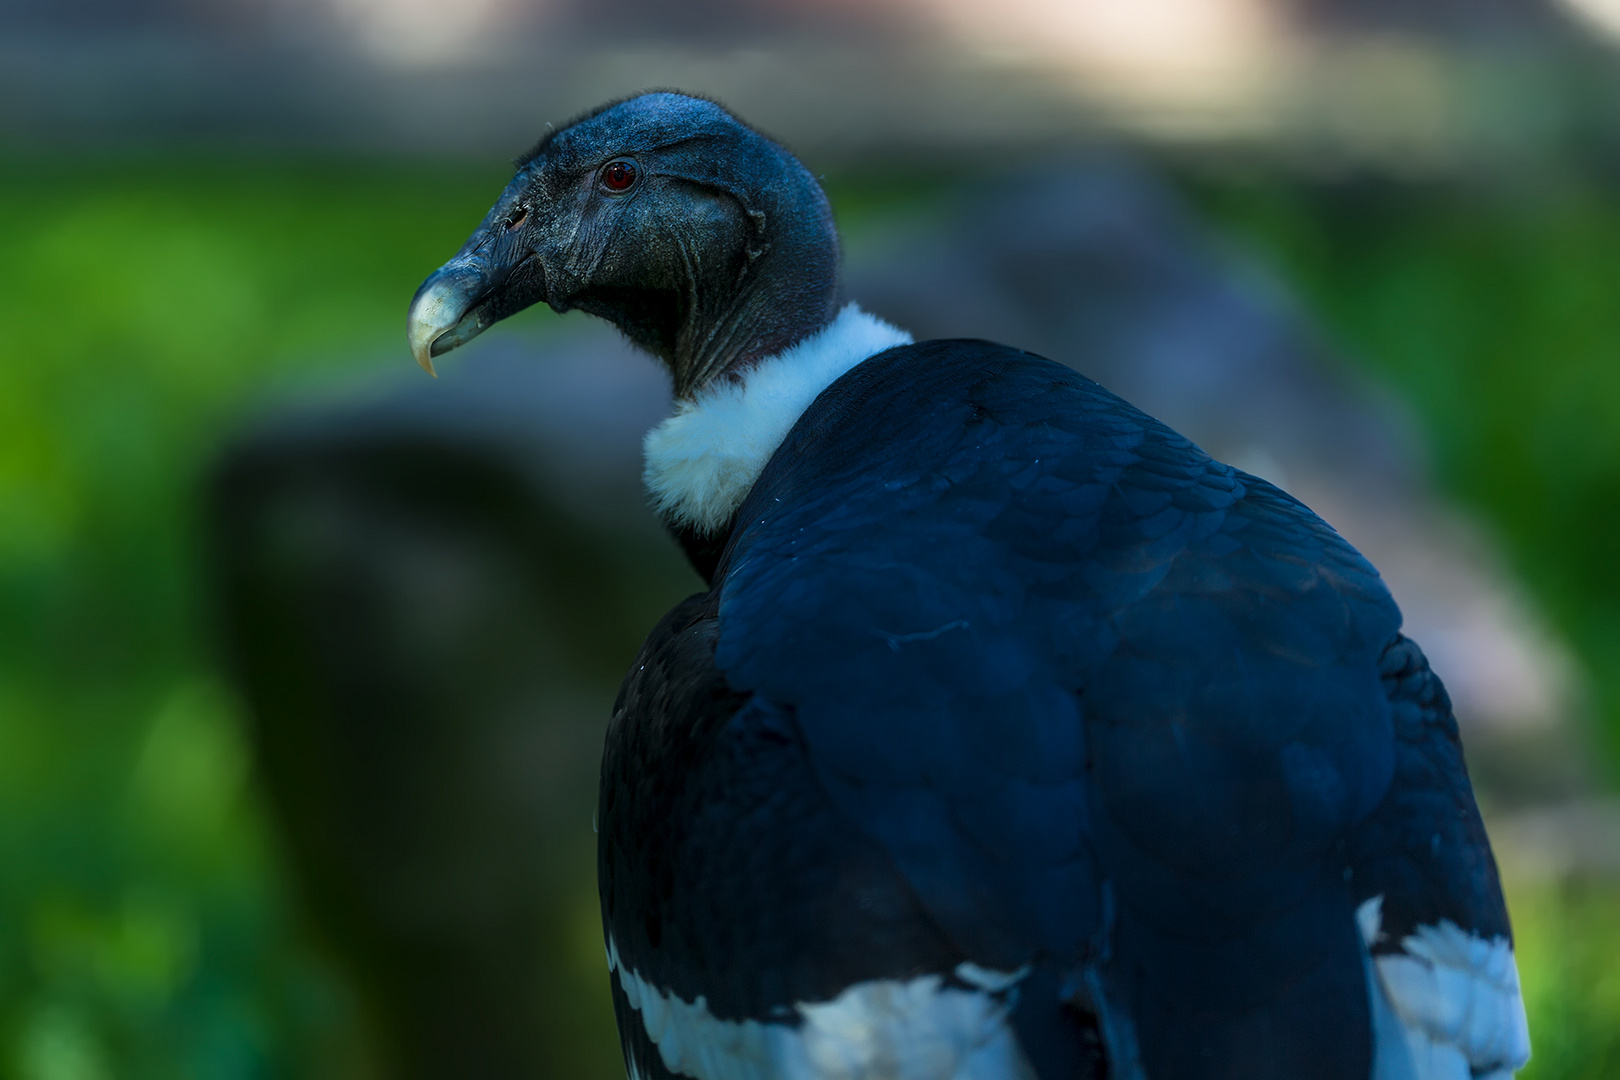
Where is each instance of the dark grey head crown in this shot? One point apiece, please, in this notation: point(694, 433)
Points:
point(721, 252)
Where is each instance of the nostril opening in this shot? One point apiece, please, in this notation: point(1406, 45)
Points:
point(517, 221)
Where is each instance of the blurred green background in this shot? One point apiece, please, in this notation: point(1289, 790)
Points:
point(154, 291)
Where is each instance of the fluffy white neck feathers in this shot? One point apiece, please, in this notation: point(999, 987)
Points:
point(701, 462)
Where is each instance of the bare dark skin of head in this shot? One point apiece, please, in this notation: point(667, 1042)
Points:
point(707, 244)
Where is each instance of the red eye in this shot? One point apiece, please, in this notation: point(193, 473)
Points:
point(619, 175)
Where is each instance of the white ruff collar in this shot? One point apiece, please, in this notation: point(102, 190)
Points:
point(701, 462)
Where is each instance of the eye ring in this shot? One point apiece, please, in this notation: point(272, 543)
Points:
point(619, 175)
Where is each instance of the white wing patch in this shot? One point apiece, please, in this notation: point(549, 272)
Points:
point(701, 462)
point(1456, 997)
point(990, 980)
point(886, 1029)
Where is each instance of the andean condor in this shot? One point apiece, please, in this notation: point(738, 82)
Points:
point(1015, 737)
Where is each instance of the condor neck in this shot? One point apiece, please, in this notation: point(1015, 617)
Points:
point(787, 293)
point(702, 461)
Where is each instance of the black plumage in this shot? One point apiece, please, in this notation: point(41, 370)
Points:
point(1004, 697)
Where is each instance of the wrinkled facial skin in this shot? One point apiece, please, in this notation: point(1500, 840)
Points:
point(667, 258)
point(496, 273)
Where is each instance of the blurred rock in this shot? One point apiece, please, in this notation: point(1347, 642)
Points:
point(428, 600)
point(1573, 838)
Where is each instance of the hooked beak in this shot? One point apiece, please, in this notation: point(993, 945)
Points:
point(465, 297)
point(445, 312)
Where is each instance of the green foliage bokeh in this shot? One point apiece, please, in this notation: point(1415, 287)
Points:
point(144, 928)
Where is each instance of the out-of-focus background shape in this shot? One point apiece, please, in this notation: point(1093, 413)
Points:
point(305, 659)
